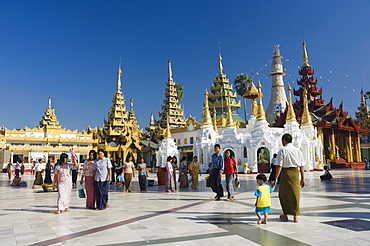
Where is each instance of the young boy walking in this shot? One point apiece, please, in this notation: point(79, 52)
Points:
point(263, 200)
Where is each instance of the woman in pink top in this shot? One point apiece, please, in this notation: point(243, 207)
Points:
point(170, 182)
point(129, 170)
point(87, 173)
point(64, 182)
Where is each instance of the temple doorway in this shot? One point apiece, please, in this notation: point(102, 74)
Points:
point(263, 160)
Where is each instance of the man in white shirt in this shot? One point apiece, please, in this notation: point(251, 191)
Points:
point(289, 159)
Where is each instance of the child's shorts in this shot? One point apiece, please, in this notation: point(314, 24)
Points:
point(261, 210)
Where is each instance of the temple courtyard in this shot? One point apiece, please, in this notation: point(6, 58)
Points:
point(333, 212)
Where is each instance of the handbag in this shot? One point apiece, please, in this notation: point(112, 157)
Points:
point(208, 184)
point(237, 183)
point(81, 191)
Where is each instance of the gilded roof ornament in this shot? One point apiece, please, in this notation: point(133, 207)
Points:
point(306, 116)
point(305, 56)
point(261, 115)
point(167, 130)
point(290, 114)
point(229, 120)
point(206, 119)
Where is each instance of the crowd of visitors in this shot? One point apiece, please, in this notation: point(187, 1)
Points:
point(98, 172)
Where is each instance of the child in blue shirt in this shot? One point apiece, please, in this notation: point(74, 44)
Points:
point(263, 200)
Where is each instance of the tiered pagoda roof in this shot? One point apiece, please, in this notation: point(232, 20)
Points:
point(322, 114)
point(221, 97)
point(121, 131)
point(171, 106)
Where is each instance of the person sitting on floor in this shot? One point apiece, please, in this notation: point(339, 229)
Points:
point(326, 175)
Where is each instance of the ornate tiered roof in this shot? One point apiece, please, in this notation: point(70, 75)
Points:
point(120, 131)
point(321, 114)
point(171, 106)
point(221, 97)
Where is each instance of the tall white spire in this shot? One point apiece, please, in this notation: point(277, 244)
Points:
point(169, 70)
point(49, 102)
point(278, 100)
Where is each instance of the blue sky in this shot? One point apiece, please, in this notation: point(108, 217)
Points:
point(70, 50)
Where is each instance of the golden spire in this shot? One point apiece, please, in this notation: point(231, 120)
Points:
point(119, 72)
point(306, 116)
point(305, 56)
point(220, 67)
point(261, 115)
point(229, 119)
point(290, 117)
point(206, 120)
point(215, 121)
point(167, 131)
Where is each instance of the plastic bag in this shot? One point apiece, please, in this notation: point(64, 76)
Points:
point(81, 192)
point(237, 183)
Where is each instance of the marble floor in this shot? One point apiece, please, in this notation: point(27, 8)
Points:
point(333, 212)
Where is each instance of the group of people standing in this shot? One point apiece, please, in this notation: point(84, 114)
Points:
point(184, 169)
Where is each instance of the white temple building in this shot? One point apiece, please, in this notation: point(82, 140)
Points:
point(254, 145)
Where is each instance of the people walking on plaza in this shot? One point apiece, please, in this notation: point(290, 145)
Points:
point(263, 199)
point(184, 173)
point(231, 169)
point(17, 169)
point(22, 168)
point(216, 173)
point(129, 169)
point(38, 176)
point(174, 168)
point(64, 182)
point(273, 169)
point(143, 174)
point(194, 172)
point(9, 170)
point(102, 173)
point(87, 174)
point(170, 182)
point(74, 175)
point(48, 168)
point(288, 160)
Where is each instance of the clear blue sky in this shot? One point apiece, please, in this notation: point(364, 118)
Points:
point(70, 50)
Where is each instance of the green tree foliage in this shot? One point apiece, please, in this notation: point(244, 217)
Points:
point(241, 84)
point(180, 91)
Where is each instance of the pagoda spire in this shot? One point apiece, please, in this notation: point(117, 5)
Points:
point(220, 66)
point(152, 120)
point(171, 104)
point(119, 72)
point(49, 102)
point(306, 116)
point(206, 119)
point(261, 115)
point(305, 56)
point(290, 114)
point(278, 100)
point(229, 120)
point(169, 71)
point(168, 131)
point(49, 119)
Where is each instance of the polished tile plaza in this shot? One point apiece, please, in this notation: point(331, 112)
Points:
point(333, 212)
